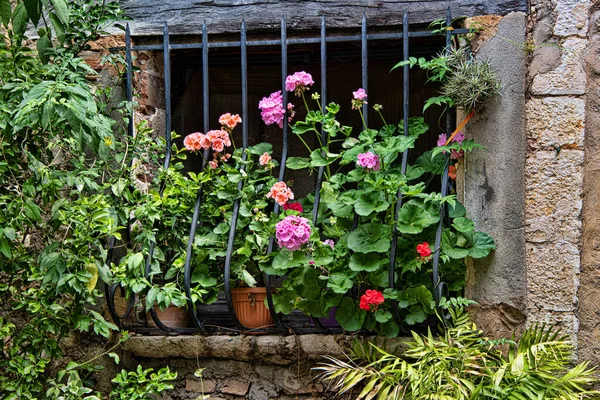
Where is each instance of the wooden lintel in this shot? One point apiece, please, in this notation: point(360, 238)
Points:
point(185, 17)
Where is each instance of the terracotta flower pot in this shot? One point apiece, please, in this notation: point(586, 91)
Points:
point(249, 307)
point(172, 317)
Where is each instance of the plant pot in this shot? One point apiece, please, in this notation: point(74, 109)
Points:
point(330, 321)
point(172, 317)
point(249, 306)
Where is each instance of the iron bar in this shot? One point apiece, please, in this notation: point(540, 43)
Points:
point(195, 217)
point(405, 116)
point(437, 288)
point(323, 105)
point(167, 73)
point(277, 42)
point(129, 78)
point(365, 67)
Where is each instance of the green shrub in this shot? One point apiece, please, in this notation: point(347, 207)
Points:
point(462, 363)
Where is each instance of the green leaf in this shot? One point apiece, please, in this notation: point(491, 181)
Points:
point(417, 315)
point(369, 262)
point(5, 247)
point(32, 211)
point(483, 244)
point(34, 10)
point(463, 224)
point(297, 163)
point(368, 203)
point(382, 316)
point(369, 238)
point(390, 328)
point(248, 278)
point(61, 9)
point(286, 259)
point(450, 247)
point(115, 357)
point(339, 283)
point(44, 48)
point(412, 219)
point(261, 148)
point(317, 159)
point(19, 19)
point(5, 12)
point(432, 164)
point(380, 278)
point(59, 28)
point(456, 211)
point(349, 316)
point(9, 233)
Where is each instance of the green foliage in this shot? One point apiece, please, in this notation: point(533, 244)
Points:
point(464, 364)
point(466, 82)
point(142, 383)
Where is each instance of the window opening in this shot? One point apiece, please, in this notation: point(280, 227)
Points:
point(331, 51)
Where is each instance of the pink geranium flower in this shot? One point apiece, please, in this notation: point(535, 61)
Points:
point(292, 232)
point(298, 82)
point(271, 108)
point(369, 160)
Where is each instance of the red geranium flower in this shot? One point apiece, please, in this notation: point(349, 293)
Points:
point(423, 249)
point(371, 299)
point(293, 206)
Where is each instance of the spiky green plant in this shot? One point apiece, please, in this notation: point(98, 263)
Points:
point(463, 364)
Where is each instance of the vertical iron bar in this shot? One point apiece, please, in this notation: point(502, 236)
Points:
point(236, 204)
point(284, 151)
point(323, 105)
point(365, 67)
point(167, 81)
point(405, 116)
point(129, 78)
point(167, 72)
point(437, 287)
point(190, 246)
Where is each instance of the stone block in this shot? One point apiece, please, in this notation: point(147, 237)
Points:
point(293, 384)
point(553, 199)
point(569, 77)
point(553, 276)
point(571, 17)
point(205, 386)
point(315, 346)
point(567, 322)
point(555, 122)
point(236, 387)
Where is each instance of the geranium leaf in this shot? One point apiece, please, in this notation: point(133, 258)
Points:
point(349, 316)
point(412, 219)
point(369, 238)
point(339, 283)
point(463, 224)
point(483, 244)
point(368, 203)
point(297, 163)
point(369, 262)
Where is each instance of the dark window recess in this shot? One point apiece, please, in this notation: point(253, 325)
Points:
point(208, 77)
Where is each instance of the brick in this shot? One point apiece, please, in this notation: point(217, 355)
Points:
point(197, 386)
point(236, 387)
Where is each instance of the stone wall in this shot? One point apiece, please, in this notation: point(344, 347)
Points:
point(555, 126)
point(251, 367)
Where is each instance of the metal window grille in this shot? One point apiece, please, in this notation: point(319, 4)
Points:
point(405, 35)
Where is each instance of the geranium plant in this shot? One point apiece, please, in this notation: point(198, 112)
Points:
point(344, 263)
